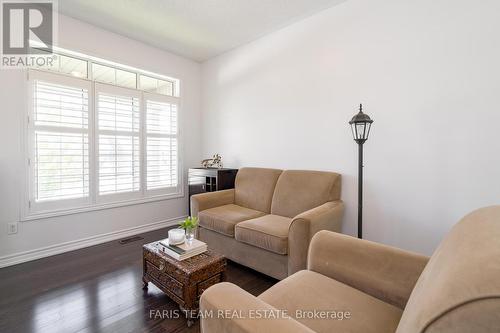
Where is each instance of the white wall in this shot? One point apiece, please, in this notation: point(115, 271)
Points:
point(77, 36)
point(428, 72)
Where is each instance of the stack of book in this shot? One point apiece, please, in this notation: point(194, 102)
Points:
point(184, 250)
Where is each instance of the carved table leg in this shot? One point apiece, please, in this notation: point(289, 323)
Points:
point(191, 315)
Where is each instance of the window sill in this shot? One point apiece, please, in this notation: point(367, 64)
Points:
point(97, 207)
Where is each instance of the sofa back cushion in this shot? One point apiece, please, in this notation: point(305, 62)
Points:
point(298, 191)
point(459, 289)
point(254, 188)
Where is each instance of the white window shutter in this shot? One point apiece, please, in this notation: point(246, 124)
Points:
point(118, 142)
point(92, 144)
point(161, 144)
point(119, 164)
point(61, 142)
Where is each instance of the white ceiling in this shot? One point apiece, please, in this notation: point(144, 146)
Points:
point(197, 29)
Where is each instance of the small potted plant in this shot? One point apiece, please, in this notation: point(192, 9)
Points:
point(189, 224)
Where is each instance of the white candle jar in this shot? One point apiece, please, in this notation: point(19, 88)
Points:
point(176, 236)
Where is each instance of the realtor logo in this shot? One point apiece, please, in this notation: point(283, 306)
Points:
point(27, 29)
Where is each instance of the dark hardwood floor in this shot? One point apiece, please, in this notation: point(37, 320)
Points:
point(96, 289)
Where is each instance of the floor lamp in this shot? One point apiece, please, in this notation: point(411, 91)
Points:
point(360, 126)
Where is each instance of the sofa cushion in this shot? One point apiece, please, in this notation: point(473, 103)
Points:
point(306, 291)
point(254, 188)
point(459, 289)
point(269, 232)
point(222, 219)
point(298, 191)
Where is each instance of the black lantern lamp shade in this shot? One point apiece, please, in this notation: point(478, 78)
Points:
point(360, 126)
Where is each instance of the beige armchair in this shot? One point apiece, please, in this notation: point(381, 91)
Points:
point(383, 289)
point(267, 221)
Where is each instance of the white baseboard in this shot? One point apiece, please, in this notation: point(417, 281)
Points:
point(20, 257)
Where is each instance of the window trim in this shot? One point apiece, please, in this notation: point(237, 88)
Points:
point(92, 203)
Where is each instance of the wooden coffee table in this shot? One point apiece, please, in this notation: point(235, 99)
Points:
point(183, 281)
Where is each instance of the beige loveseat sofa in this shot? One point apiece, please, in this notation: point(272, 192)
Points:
point(383, 288)
point(267, 221)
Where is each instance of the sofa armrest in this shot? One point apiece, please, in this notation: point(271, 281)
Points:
point(209, 200)
point(226, 308)
point(325, 217)
point(382, 271)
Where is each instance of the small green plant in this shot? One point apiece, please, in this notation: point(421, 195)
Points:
point(190, 223)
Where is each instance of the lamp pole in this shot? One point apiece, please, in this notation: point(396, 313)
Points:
point(360, 126)
point(360, 190)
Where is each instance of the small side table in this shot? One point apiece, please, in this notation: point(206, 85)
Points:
point(183, 281)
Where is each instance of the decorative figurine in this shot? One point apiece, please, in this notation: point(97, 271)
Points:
point(214, 162)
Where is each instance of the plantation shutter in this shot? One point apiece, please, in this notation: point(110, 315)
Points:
point(91, 144)
point(118, 118)
point(60, 145)
point(161, 143)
